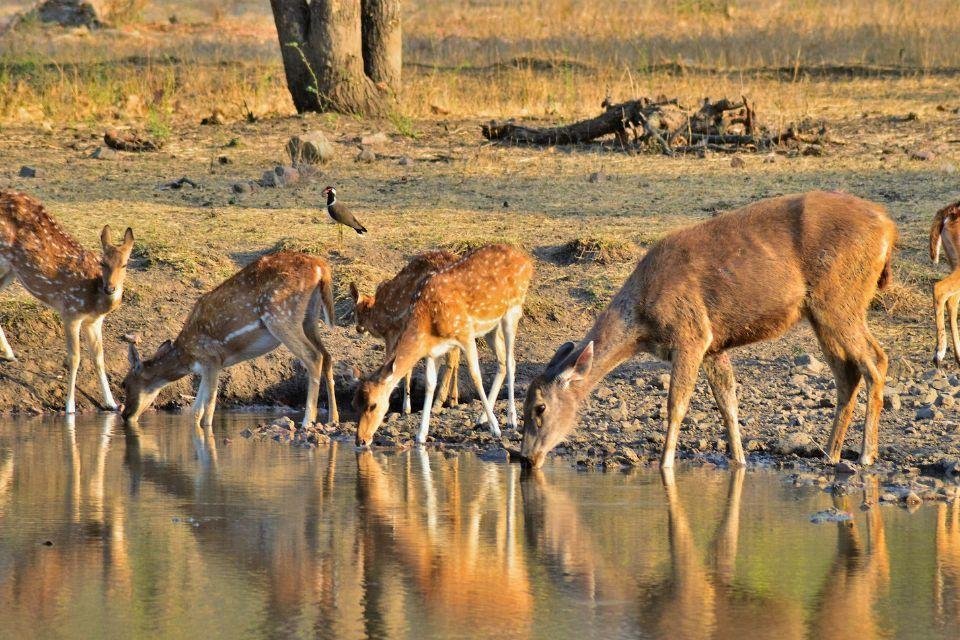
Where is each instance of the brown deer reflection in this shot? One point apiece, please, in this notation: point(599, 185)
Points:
point(859, 575)
point(946, 581)
point(701, 601)
point(469, 575)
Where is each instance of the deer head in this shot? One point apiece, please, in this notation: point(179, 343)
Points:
point(363, 309)
point(553, 398)
point(113, 261)
point(146, 378)
point(372, 400)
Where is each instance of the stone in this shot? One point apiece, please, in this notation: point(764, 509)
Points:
point(662, 381)
point(926, 412)
point(754, 445)
point(630, 456)
point(604, 392)
point(891, 399)
point(845, 467)
point(812, 150)
point(310, 148)
point(27, 172)
point(405, 161)
point(366, 155)
point(69, 13)
point(737, 162)
point(888, 496)
point(104, 153)
point(280, 176)
point(797, 443)
point(810, 363)
point(240, 187)
point(374, 138)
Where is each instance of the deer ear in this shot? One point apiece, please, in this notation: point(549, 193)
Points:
point(562, 353)
point(580, 367)
point(354, 293)
point(105, 236)
point(128, 237)
point(390, 368)
point(133, 355)
point(164, 347)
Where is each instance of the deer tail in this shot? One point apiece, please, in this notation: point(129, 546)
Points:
point(886, 275)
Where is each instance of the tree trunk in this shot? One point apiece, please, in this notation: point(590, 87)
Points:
point(382, 42)
point(322, 51)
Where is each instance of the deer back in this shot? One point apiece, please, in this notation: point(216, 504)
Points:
point(394, 297)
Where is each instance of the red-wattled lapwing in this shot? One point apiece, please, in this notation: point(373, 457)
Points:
point(342, 215)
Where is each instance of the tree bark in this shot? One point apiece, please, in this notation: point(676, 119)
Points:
point(382, 42)
point(322, 51)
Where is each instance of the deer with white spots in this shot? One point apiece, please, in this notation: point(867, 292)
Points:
point(278, 299)
point(382, 315)
point(76, 283)
point(741, 277)
point(478, 295)
point(945, 236)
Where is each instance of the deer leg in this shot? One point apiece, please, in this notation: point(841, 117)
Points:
point(848, 378)
point(942, 292)
point(495, 339)
point(509, 326)
point(431, 385)
point(875, 372)
point(71, 327)
point(719, 373)
point(314, 345)
point(6, 353)
point(448, 381)
point(473, 361)
point(206, 401)
point(683, 380)
point(952, 306)
point(407, 409)
point(93, 333)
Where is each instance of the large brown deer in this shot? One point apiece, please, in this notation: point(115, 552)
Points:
point(739, 278)
point(478, 295)
point(277, 299)
point(945, 235)
point(382, 314)
point(78, 284)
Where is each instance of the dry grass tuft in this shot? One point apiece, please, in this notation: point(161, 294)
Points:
point(299, 245)
point(599, 250)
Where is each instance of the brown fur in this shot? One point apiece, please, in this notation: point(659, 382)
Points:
point(383, 314)
point(278, 299)
point(58, 271)
point(945, 234)
point(476, 295)
point(744, 276)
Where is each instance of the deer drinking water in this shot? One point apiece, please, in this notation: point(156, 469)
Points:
point(382, 315)
point(478, 295)
point(744, 276)
point(80, 286)
point(945, 236)
point(277, 299)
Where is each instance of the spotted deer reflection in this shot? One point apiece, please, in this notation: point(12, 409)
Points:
point(946, 582)
point(456, 543)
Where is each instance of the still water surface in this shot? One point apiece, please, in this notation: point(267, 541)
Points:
point(165, 533)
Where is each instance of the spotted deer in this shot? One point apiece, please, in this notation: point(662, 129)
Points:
point(945, 236)
point(76, 283)
point(739, 278)
point(482, 292)
point(382, 314)
point(277, 299)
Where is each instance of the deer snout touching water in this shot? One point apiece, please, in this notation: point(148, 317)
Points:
point(742, 277)
point(76, 283)
point(278, 299)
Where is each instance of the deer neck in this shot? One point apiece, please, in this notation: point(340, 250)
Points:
point(616, 337)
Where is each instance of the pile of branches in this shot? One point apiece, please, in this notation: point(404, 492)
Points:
point(724, 126)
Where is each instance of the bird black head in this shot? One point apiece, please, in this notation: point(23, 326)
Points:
point(331, 194)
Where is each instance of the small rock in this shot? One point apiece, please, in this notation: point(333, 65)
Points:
point(240, 187)
point(845, 467)
point(374, 138)
point(630, 456)
point(224, 160)
point(310, 148)
point(830, 515)
point(104, 153)
point(405, 161)
point(891, 399)
point(737, 162)
point(754, 445)
point(809, 362)
point(27, 172)
point(604, 392)
point(812, 150)
point(912, 500)
point(926, 412)
point(888, 496)
point(246, 433)
point(662, 381)
point(798, 443)
point(366, 155)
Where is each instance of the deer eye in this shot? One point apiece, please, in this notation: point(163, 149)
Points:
point(539, 409)
point(372, 406)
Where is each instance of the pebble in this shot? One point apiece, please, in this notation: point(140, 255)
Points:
point(737, 162)
point(27, 172)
